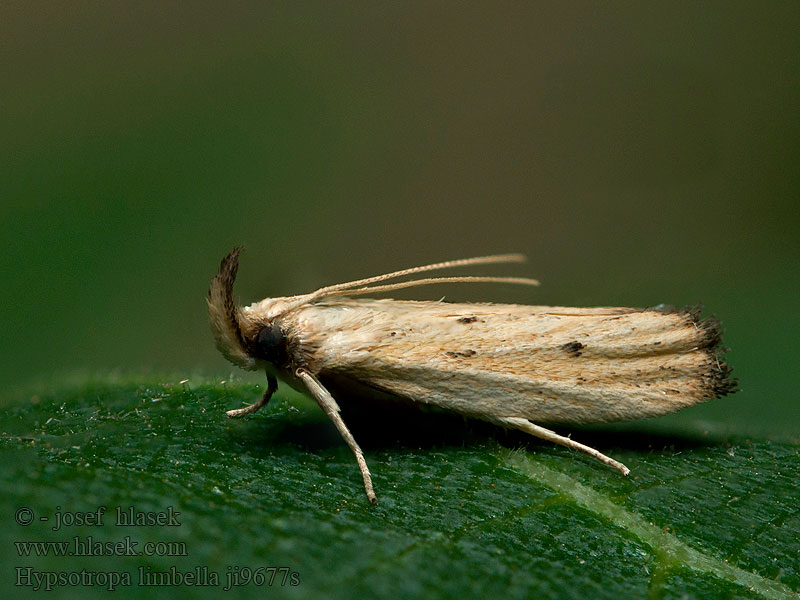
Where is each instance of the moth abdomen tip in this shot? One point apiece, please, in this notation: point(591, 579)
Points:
point(722, 384)
point(718, 379)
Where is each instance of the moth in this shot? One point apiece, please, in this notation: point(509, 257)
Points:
point(513, 365)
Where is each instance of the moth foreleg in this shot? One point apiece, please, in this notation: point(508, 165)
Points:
point(272, 386)
point(551, 436)
point(331, 408)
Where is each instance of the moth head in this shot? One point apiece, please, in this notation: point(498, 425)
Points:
point(227, 320)
point(249, 336)
point(269, 344)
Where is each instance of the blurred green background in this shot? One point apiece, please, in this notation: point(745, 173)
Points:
point(638, 153)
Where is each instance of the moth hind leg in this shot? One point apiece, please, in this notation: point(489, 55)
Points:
point(551, 436)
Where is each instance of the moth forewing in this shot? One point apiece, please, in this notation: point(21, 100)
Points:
point(495, 361)
point(514, 365)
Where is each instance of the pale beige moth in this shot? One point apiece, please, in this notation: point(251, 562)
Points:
point(513, 365)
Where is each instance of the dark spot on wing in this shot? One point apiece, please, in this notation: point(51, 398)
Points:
point(573, 348)
point(467, 320)
point(464, 354)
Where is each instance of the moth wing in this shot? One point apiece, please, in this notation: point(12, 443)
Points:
point(546, 364)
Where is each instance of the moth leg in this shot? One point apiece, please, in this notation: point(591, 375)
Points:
point(272, 385)
point(331, 408)
point(551, 436)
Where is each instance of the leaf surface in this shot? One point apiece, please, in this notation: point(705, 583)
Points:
point(465, 509)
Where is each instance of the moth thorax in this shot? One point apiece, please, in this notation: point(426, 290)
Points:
point(270, 345)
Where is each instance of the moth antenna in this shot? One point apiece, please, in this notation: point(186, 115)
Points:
point(464, 262)
point(431, 281)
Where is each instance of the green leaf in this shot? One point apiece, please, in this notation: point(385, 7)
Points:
point(465, 510)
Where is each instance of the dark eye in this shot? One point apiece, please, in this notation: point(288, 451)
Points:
point(270, 345)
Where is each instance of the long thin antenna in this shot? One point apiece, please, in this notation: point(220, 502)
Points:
point(464, 262)
point(331, 289)
point(430, 281)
